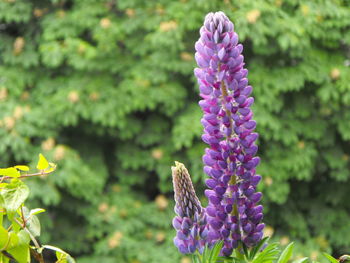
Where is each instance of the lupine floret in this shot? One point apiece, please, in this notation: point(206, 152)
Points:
point(190, 222)
point(233, 214)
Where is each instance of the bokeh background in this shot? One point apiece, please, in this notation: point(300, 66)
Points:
point(106, 90)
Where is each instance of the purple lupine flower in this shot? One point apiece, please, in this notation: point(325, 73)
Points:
point(230, 162)
point(190, 222)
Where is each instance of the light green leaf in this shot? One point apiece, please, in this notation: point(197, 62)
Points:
point(330, 258)
point(61, 257)
point(286, 254)
point(14, 195)
point(20, 253)
point(4, 259)
point(15, 223)
point(13, 241)
point(22, 167)
point(2, 211)
point(205, 254)
point(42, 163)
point(269, 254)
point(23, 237)
point(33, 225)
point(4, 237)
point(11, 172)
point(195, 259)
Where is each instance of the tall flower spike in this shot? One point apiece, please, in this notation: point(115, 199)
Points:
point(190, 222)
point(230, 162)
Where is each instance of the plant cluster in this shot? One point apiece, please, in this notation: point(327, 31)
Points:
point(229, 229)
point(105, 89)
point(19, 225)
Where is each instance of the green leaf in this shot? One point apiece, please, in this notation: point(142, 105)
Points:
point(11, 172)
point(214, 253)
point(15, 223)
point(1, 209)
point(4, 259)
point(269, 254)
point(33, 225)
point(286, 254)
point(23, 237)
point(257, 248)
point(330, 258)
point(205, 254)
point(13, 240)
point(14, 195)
point(69, 258)
point(245, 250)
point(61, 257)
point(302, 260)
point(4, 237)
point(195, 259)
point(20, 253)
point(22, 167)
point(42, 163)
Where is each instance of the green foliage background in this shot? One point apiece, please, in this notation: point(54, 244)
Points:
point(106, 90)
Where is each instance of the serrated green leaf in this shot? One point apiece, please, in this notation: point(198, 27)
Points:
point(42, 163)
point(14, 195)
point(330, 258)
point(286, 254)
point(11, 172)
